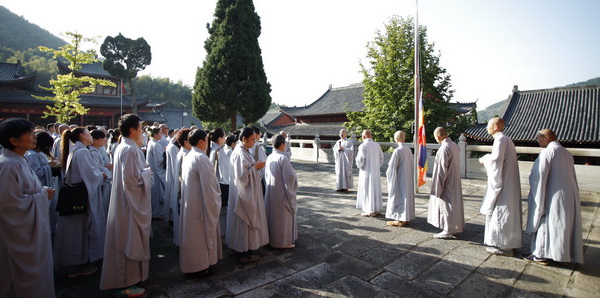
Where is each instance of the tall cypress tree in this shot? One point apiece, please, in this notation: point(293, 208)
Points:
point(232, 78)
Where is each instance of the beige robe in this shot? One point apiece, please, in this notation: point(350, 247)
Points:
point(127, 246)
point(246, 219)
point(502, 200)
point(401, 189)
point(343, 163)
point(25, 249)
point(554, 214)
point(369, 159)
point(200, 208)
point(280, 200)
point(445, 202)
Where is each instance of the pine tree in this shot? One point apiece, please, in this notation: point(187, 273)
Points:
point(389, 83)
point(232, 79)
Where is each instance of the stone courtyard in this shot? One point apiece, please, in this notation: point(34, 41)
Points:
point(342, 254)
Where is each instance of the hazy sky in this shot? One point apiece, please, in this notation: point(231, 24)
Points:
point(486, 46)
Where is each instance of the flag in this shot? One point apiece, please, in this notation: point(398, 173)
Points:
point(123, 88)
point(422, 149)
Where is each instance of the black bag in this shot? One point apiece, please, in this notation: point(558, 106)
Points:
point(72, 198)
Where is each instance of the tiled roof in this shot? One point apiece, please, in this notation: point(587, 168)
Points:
point(93, 70)
point(151, 117)
point(311, 129)
point(333, 101)
point(173, 118)
point(12, 73)
point(463, 107)
point(572, 112)
point(26, 97)
point(270, 117)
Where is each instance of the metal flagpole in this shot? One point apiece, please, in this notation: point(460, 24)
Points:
point(121, 98)
point(417, 83)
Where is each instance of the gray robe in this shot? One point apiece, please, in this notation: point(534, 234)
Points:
point(502, 200)
point(200, 208)
point(101, 163)
point(177, 215)
point(80, 237)
point(127, 247)
point(280, 200)
point(445, 202)
point(246, 219)
point(343, 163)
point(554, 214)
point(26, 268)
point(155, 157)
point(38, 162)
point(401, 189)
point(171, 181)
point(369, 159)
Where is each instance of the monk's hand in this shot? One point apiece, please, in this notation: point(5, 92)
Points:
point(259, 165)
point(341, 149)
point(50, 192)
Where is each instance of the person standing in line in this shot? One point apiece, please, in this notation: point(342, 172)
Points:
point(343, 152)
point(155, 157)
point(502, 200)
point(222, 169)
point(79, 239)
point(246, 219)
point(230, 143)
point(554, 214)
point(200, 208)
point(280, 197)
point(26, 265)
point(446, 209)
point(171, 181)
point(185, 147)
point(259, 154)
point(401, 189)
point(96, 148)
point(369, 159)
point(288, 148)
point(127, 245)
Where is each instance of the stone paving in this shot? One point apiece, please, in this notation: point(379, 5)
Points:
point(340, 253)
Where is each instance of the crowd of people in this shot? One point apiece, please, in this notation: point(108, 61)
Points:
point(554, 215)
point(210, 186)
point(216, 188)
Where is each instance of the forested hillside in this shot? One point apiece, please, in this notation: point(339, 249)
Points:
point(18, 34)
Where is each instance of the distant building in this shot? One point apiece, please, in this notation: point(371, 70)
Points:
point(572, 112)
point(17, 90)
point(327, 114)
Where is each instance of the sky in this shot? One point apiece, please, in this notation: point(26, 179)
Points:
point(486, 46)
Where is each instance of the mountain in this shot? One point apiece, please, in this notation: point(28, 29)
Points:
point(594, 81)
point(18, 34)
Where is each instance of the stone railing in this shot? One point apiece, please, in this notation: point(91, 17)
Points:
point(313, 150)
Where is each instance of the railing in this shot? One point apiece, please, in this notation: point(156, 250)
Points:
point(587, 175)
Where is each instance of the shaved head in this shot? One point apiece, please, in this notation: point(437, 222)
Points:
point(549, 134)
point(495, 125)
point(343, 133)
point(400, 136)
point(366, 134)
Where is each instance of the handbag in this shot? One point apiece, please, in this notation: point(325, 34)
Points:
point(72, 198)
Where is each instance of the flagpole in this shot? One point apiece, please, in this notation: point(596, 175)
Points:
point(121, 98)
point(417, 83)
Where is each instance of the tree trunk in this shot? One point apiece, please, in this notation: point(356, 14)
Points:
point(233, 122)
point(132, 96)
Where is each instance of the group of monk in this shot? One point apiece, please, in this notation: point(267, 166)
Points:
point(553, 219)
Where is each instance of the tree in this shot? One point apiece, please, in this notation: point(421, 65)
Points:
point(232, 79)
point(67, 87)
point(124, 59)
point(162, 90)
point(389, 83)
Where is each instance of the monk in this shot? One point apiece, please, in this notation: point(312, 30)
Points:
point(445, 202)
point(280, 197)
point(401, 189)
point(368, 160)
point(502, 200)
point(127, 245)
point(343, 152)
point(200, 208)
point(554, 214)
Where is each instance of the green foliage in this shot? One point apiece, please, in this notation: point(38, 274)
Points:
point(232, 79)
point(67, 87)
point(495, 110)
point(18, 34)
point(124, 59)
point(389, 83)
point(160, 90)
point(594, 81)
point(35, 61)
